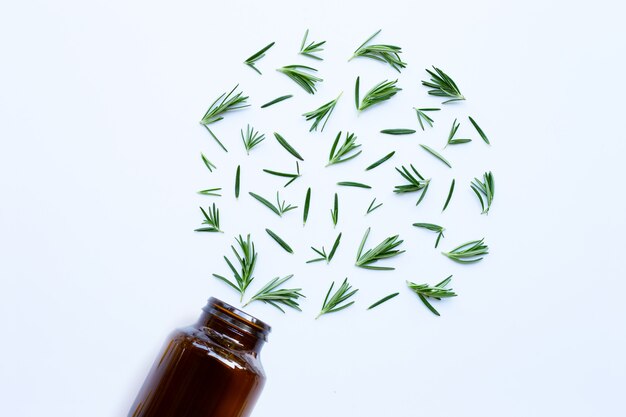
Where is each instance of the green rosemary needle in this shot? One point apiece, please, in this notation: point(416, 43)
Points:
point(398, 131)
point(486, 188)
point(303, 79)
point(354, 184)
point(439, 291)
point(307, 205)
point(322, 253)
point(276, 297)
point(449, 194)
point(337, 301)
point(279, 208)
point(479, 130)
point(373, 207)
point(280, 241)
point(215, 138)
point(321, 113)
point(212, 219)
point(334, 212)
point(251, 139)
point(276, 100)
point(380, 161)
point(385, 249)
point(433, 228)
point(237, 181)
point(216, 111)
point(257, 56)
point(293, 177)
point(384, 53)
point(382, 300)
point(436, 155)
point(382, 91)
point(469, 252)
point(451, 139)
point(442, 86)
point(423, 117)
point(339, 155)
point(247, 260)
point(287, 146)
point(414, 184)
point(213, 192)
point(311, 48)
point(210, 165)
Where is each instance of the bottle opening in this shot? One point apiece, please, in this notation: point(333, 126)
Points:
point(237, 318)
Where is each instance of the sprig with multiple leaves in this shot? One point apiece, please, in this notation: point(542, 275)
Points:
point(270, 294)
point(437, 292)
point(384, 53)
point(416, 183)
point(382, 91)
point(341, 154)
point(322, 253)
point(279, 208)
point(212, 219)
point(451, 139)
point(218, 109)
point(303, 79)
point(257, 56)
point(311, 48)
point(442, 86)
point(247, 260)
point(469, 252)
point(385, 249)
point(423, 117)
point(251, 139)
point(292, 176)
point(486, 188)
point(338, 300)
point(321, 113)
point(433, 228)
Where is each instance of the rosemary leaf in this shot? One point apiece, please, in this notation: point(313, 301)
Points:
point(380, 161)
point(416, 183)
point(237, 181)
point(247, 260)
point(385, 249)
point(436, 155)
point(303, 79)
point(280, 241)
point(279, 208)
point(382, 300)
point(451, 139)
point(276, 297)
point(423, 117)
point(257, 56)
point(216, 111)
point(385, 53)
point(251, 139)
point(338, 299)
point(310, 49)
point(382, 91)
point(397, 131)
point(341, 155)
point(442, 86)
point(307, 204)
point(486, 188)
point(213, 192)
point(287, 146)
point(212, 219)
point(353, 184)
point(469, 252)
point(439, 291)
point(322, 252)
point(210, 166)
point(433, 228)
point(276, 100)
point(321, 113)
point(215, 138)
point(334, 212)
point(373, 207)
point(293, 176)
point(449, 195)
point(479, 130)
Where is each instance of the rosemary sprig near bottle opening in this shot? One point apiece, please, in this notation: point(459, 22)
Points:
point(280, 241)
point(279, 208)
point(341, 154)
point(436, 154)
point(321, 113)
point(213, 192)
point(283, 142)
point(486, 188)
point(334, 212)
point(398, 131)
point(338, 300)
point(210, 165)
point(437, 292)
point(237, 181)
point(215, 138)
point(385, 249)
point(384, 53)
point(276, 100)
point(380, 161)
point(257, 56)
point(449, 195)
point(212, 219)
point(307, 206)
point(423, 117)
point(303, 79)
point(247, 260)
point(433, 228)
point(382, 91)
point(322, 253)
point(293, 177)
point(469, 252)
point(442, 86)
point(354, 184)
point(414, 184)
point(251, 139)
point(479, 130)
point(276, 297)
point(382, 300)
point(451, 139)
point(372, 206)
point(311, 48)
point(216, 111)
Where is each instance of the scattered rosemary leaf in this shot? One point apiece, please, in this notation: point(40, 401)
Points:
point(433, 228)
point(451, 140)
point(469, 252)
point(280, 241)
point(215, 138)
point(276, 100)
point(373, 207)
point(286, 296)
point(356, 92)
point(286, 174)
point(442, 86)
point(334, 212)
point(486, 188)
point(385, 53)
point(341, 154)
point(321, 113)
point(449, 195)
point(382, 91)
point(397, 131)
point(213, 192)
point(322, 253)
point(287, 146)
point(385, 249)
point(237, 181)
point(436, 155)
point(311, 48)
point(251, 139)
point(336, 302)
point(422, 116)
point(382, 300)
point(210, 166)
point(279, 208)
point(479, 130)
point(307, 204)
point(247, 260)
point(303, 79)
point(380, 161)
point(439, 291)
point(212, 218)
point(216, 111)
point(257, 56)
point(353, 184)
point(414, 185)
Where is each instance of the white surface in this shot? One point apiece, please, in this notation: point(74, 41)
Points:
point(99, 103)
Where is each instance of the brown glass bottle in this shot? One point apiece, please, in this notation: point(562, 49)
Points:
point(210, 369)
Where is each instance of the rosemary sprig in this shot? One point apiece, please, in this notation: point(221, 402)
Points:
point(311, 48)
point(442, 86)
point(303, 79)
point(215, 138)
point(398, 131)
point(212, 219)
point(451, 139)
point(423, 117)
point(382, 91)
point(469, 252)
point(385, 53)
point(334, 212)
point(373, 207)
point(321, 113)
point(257, 56)
point(449, 194)
point(433, 228)
point(276, 297)
point(439, 291)
point(380, 161)
point(276, 100)
point(216, 111)
point(479, 130)
point(354, 184)
point(436, 155)
point(326, 257)
point(213, 192)
point(336, 302)
point(286, 174)
point(280, 241)
point(341, 155)
point(251, 139)
point(237, 181)
point(210, 165)
point(385, 249)
point(287, 146)
point(279, 208)
point(247, 260)
point(486, 188)
point(307, 206)
point(414, 185)
point(382, 300)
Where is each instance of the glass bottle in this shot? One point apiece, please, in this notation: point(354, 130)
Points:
point(209, 369)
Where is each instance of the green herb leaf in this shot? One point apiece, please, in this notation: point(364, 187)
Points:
point(276, 100)
point(287, 146)
point(321, 113)
point(279, 208)
point(437, 292)
point(212, 219)
point(334, 213)
point(479, 130)
point(449, 195)
point(257, 56)
point(307, 204)
point(382, 91)
point(397, 131)
point(486, 188)
point(213, 192)
point(280, 241)
point(356, 92)
point(451, 140)
point(385, 249)
point(341, 155)
point(380, 161)
point(442, 86)
point(416, 183)
point(469, 252)
point(276, 297)
point(216, 111)
point(385, 53)
point(293, 176)
point(251, 139)
point(436, 155)
point(423, 117)
point(215, 138)
point(322, 252)
point(311, 48)
point(373, 207)
point(210, 166)
point(247, 260)
point(338, 300)
point(237, 181)
point(382, 300)
point(303, 79)
point(433, 228)
point(353, 184)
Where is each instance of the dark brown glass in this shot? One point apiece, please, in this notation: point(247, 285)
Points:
point(209, 369)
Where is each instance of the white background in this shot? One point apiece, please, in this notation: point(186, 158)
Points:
point(100, 162)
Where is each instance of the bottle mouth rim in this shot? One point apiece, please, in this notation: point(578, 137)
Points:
point(237, 317)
